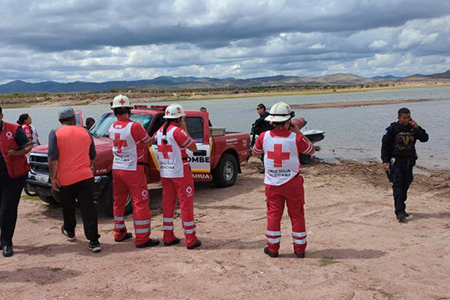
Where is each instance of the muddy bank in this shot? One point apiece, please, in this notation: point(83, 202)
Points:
point(356, 248)
point(355, 103)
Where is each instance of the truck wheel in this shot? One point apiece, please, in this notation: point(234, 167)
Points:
point(48, 199)
point(106, 200)
point(225, 174)
point(28, 192)
point(305, 159)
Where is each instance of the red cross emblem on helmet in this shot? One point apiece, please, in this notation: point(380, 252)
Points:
point(179, 110)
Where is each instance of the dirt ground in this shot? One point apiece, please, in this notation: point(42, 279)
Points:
point(356, 248)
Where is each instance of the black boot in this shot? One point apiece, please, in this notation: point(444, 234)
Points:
point(150, 243)
point(198, 243)
point(268, 252)
point(129, 235)
point(174, 242)
point(401, 217)
point(7, 251)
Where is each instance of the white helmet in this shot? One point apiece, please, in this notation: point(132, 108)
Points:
point(121, 101)
point(174, 111)
point(279, 112)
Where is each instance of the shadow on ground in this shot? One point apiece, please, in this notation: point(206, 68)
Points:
point(346, 254)
point(38, 275)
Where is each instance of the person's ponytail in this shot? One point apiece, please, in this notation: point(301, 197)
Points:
point(22, 118)
point(166, 125)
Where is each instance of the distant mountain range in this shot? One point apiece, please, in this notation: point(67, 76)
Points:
point(167, 82)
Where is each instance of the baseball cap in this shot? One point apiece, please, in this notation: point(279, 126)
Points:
point(66, 113)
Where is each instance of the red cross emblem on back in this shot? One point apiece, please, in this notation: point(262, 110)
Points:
point(278, 155)
point(165, 149)
point(122, 102)
point(118, 143)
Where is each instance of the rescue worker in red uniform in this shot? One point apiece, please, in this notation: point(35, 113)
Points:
point(176, 177)
point(130, 140)
point(281, 148)
point(25, 122)
point(13, 172)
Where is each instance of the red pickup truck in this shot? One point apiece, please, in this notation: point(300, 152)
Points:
point(217, 159)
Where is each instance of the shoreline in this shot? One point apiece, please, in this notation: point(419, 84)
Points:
point(357, 103)
point(96, 98)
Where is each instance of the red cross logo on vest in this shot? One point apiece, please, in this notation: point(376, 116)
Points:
point(165, 149)
point(118, 143)
point(122, 102)
point(278, 155)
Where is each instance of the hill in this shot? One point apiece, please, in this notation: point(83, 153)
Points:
point(168, 82)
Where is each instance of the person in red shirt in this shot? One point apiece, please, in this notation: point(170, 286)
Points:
point(13, 173)
point(25, 122)
point(176, 177)
point(130, 140)
point(281, 148)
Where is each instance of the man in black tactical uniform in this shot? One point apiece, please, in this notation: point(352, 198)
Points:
point(399, 144)
point(259, 126)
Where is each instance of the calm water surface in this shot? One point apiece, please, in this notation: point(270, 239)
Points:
point(351, 133)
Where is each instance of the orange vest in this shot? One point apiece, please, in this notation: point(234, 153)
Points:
point(74, 163)
point(17, 166)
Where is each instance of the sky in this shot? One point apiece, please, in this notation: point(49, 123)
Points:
point(100, 40)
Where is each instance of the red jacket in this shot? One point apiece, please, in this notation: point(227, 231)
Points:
point(17, 165)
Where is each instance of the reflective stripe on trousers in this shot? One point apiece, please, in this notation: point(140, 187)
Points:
point(273, 237)
point(299, 238)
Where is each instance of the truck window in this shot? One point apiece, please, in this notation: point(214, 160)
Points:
point(101, 128)
point(195, 128)
point(77, 119)
point(159, 121)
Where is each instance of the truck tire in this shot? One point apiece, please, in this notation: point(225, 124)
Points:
point(305, 159)
point(48, 199)
point(25, 189)
point(106, 200)
point(225, 174)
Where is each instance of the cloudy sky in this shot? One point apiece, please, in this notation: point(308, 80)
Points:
point(101, 40)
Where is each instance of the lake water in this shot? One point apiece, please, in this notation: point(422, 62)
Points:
point(350, 133)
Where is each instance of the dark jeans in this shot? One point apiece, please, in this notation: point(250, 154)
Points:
point(84, 192)
point(10, 191)
point(402, 178)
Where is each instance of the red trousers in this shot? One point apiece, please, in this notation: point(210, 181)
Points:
point(135, 183)
point(293, 194)
point(183, 189)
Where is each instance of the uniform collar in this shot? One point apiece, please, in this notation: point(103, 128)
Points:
point(281, 131)
point(124, 119)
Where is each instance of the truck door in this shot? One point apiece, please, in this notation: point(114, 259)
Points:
point(200, 160)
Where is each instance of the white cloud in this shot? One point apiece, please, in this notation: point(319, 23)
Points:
point(384, 60)
point(317, 46)
point(378, 44)
point(411, 37)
